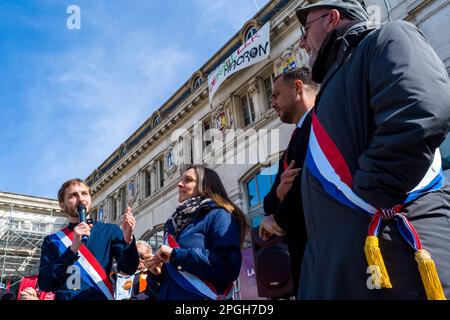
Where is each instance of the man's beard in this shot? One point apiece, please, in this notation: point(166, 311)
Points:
point(75, 213)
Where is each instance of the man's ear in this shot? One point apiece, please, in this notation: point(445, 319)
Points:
point(61, 204)
point(298, 86)
point(333, 20)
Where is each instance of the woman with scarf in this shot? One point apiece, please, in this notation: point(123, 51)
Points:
point(201, 257)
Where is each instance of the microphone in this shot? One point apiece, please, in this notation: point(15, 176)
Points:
point(82, 216)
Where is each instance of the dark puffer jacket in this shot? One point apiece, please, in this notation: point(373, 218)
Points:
point(385, 103)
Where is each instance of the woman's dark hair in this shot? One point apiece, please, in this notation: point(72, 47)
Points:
point(209, 185)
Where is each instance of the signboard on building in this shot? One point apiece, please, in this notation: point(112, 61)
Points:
point(254, 50)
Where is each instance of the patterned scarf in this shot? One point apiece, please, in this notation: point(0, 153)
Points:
point(185, 211)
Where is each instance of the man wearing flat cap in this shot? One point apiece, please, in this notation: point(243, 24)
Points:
point(376, 203)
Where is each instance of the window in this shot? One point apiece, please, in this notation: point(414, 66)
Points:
point(250, 33)
point(97, 175)
point(123, 151)
point(169, 160)
point(148, 183)
point(268, 85)
point(123, 199)
point(188, 147)
point(198, 82)
point(156, 239)
point(113, 206)
point(257, 188)
point(161, 172)
point(207, 137)
point(156, 121)
point(248, 110)
point(253, 199)
point(100, 216)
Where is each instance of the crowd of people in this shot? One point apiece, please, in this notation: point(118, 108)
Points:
point(359, 192)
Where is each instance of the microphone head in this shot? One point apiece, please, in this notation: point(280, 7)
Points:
point(82, 212)
point(82, 216)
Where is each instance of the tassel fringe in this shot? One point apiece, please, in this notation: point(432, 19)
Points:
point(374, 258)
point(429, 275)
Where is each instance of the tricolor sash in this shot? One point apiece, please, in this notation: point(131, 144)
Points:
point(328, 166)
point(192, 283)
point(91, 271)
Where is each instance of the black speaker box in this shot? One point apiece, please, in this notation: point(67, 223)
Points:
point(272, 266)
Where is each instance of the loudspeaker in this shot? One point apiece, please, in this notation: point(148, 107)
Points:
point(272, 266)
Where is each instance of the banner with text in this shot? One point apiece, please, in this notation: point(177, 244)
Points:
point(254, 50)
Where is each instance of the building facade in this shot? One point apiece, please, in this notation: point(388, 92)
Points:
point(247, 161)
point(24, 222)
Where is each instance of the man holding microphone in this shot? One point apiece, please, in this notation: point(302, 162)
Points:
point(77, 269)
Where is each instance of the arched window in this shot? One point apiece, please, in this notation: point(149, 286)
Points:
point(96, 175)
point(123, 151)
point(250, 33)
point(156, 238)
point(156, 121)
point(256, 188)
point(197, 82)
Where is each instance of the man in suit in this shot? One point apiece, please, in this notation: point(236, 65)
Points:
point(293, 97)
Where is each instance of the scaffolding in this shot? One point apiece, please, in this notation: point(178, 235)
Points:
point(20, 244)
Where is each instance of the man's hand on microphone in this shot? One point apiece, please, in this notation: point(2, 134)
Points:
point(83, 229)
point(128, 225)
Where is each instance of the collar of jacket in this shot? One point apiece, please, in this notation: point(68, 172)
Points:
point(337, 46)
point(204, 207)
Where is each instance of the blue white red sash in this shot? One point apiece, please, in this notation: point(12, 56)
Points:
point(192, 283)
point(328, 166)
point(91, 271)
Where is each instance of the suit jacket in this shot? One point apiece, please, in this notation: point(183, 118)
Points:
point(288, 214)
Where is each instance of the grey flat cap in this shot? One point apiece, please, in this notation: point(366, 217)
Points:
point(352, 9)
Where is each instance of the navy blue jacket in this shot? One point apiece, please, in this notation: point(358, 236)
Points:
point(106, 241)
point(210, 249)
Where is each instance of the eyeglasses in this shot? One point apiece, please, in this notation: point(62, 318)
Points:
point(304, 29)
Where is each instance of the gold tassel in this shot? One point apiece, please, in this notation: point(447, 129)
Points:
point(429, 275)
point(374, 258)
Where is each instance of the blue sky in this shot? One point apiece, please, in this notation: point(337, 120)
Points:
point(69, 98)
